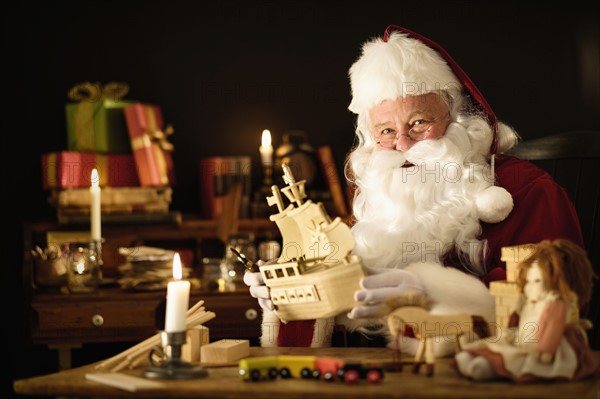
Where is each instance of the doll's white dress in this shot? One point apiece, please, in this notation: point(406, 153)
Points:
point(549, 325)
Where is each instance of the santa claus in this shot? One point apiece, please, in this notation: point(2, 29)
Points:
point(435, 199)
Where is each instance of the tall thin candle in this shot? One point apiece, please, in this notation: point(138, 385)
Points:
point(266, 149)
point(178, 297)
point(95, 194)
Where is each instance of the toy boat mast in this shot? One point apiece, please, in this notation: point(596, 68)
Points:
point(294, 191)
point(306, 228)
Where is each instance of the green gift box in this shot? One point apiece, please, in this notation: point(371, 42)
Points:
point(97, 126)
point(96, 121)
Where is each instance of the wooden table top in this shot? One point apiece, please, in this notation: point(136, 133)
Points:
point(224, 382)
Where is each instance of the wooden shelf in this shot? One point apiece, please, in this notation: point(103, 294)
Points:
point(198, 236)
point(196, 228)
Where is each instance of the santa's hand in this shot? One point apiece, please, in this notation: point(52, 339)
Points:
point(258, 289)
point(381, 287)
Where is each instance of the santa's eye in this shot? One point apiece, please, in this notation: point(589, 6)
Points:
point(386, 138)
point(419, 122)
point(420, 126)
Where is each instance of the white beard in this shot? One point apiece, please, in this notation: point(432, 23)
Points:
point(419, 213)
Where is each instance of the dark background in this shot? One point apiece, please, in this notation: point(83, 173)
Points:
point(223, 71)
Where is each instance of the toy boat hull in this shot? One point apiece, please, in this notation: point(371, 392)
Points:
point(321, 290)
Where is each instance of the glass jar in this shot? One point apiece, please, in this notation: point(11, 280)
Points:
point(269, 250)
point(232, 270)
point(211, 279)
point(83, 267)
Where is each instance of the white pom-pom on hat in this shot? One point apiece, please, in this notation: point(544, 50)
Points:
point(494, 204)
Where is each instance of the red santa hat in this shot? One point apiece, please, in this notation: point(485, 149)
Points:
point(404, 63)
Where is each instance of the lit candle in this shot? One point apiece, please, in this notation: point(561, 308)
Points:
point(178, 293)
point(96, 231)
point(266, 149)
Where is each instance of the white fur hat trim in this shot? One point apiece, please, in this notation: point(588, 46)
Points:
point(400, 67)
point(494, 204)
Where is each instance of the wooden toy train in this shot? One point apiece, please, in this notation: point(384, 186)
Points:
point(316, 275)
point(309, 367)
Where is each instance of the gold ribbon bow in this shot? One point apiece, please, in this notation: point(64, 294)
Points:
point(160, 137)
point(92, 92)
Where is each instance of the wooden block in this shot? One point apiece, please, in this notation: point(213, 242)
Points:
point(225, 351)
point(196, 337)
point(503, 288)
point(124, 381)
point(501, 323)
point(512, 256)
point(506, 294)
point(509, 301)
point(502, 311)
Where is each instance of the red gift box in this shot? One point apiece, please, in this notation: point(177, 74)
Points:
point(71, 169)
point(151, 150)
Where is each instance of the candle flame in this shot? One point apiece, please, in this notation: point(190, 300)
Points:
point(266, 138)
point(80, 267)
point(94, 179)
point(177, 269)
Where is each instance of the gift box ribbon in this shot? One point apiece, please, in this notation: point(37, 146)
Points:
point(156, 139)
point(92, 92)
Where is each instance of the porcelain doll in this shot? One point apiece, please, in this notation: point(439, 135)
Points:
point(545, 339)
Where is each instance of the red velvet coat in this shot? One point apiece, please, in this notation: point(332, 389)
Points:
point(542, 210)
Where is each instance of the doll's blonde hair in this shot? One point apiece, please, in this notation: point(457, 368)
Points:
point(565, 267)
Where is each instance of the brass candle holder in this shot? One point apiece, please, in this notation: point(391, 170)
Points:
point(169, 365)
point(267, 174)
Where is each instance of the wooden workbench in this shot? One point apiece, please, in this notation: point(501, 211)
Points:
point(224, 382)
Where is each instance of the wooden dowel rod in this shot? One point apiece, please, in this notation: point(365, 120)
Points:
point(195, 307)
point(154, 339)
point(196, 315)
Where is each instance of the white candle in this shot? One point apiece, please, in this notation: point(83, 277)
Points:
point(178, 298)
point(266, 149)
point(95, 226)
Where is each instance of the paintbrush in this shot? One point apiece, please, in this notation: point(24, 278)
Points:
point(248, 264)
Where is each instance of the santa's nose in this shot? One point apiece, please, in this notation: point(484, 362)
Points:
point(403, 142)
